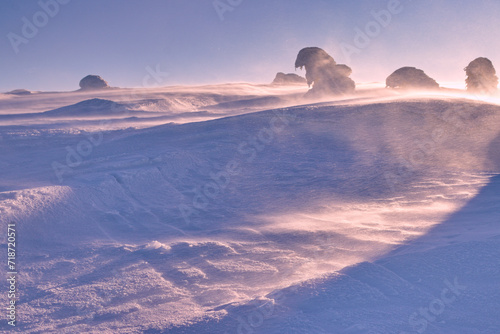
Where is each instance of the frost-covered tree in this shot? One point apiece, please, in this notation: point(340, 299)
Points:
point(410, 78)
point(288, 79)
point(326, 76)
point(481, 76)
point(91, 82)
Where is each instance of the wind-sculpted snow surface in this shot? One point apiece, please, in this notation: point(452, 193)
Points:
point(369, 215)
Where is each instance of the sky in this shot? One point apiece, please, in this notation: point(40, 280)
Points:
point(177, 42)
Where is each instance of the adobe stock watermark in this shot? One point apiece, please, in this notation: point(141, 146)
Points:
point(250, 321)
point(363, 36)
point(420, 320)
point(31, 27)
point(223, 6)
point(156, 75)
point(76, 154)
point(455, 117)
point(408, 166)
point(247, 152)
point(155, 78)
point(261, 310)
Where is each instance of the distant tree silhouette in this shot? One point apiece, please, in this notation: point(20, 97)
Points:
point(290, 78)
point(323, 73)
point(481, 76)
point(410, 77)
point(19, 92)
point(93, 82)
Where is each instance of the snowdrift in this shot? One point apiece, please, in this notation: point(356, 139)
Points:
point(317, 218)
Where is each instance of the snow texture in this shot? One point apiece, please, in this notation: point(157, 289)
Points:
point(241, 209)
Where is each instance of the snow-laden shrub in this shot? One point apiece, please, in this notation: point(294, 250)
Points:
point(326, 76)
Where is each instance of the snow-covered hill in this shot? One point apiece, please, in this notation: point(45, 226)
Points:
point(249, 210)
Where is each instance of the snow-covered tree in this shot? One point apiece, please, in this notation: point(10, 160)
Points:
point(481, 76)
point(410, 78)
point(326, 76)
point(91, 82)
